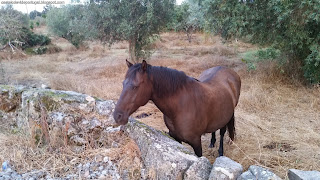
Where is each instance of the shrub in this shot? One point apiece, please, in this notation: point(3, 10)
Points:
point(268, 54)
point(31, 39)
point(251, 58)
point(312, 65)
point(63, 22)
point(15, 30)
point(40, 20)
point(31, 25)
point(40, 50)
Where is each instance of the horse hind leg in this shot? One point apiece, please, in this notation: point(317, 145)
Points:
point(231, 128)
point(213, 140)
point(222, 132)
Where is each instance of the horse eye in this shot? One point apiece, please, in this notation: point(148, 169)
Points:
point(134, 87)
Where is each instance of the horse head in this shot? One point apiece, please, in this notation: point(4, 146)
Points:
point(136, 92)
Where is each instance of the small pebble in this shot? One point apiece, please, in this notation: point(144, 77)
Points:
point(8, 170)
point(87, 165)
point(5, 165)
point(87, 173)
point(100, 168)
point(114, 145)
point(106, 159)
point(79, 166)
point(102, 177)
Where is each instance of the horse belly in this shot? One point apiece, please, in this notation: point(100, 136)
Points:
point(219, 112)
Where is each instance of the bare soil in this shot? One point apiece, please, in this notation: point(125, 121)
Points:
point(277, 122)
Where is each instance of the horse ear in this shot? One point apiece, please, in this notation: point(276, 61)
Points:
point(129, 64)
point(144, 65)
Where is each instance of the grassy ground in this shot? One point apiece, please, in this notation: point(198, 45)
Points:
point(277, 122)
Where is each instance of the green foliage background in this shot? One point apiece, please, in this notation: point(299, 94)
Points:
point(138, 22)
point(14, 27)
point(291, 26)
point(65, 21)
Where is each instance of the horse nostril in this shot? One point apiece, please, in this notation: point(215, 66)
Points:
point(119, 116)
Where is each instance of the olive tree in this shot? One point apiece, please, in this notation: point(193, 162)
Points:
point(138, 22)
point(12, 25)
point(189, 17)
point(64, 22)
point(292, 26)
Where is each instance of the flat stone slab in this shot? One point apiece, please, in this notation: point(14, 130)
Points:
point(295, 174)
point(257, 172)
point(199, 170)
point(225, 169)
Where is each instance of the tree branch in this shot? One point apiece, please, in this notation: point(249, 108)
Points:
point(14, 47)
point(2, 48)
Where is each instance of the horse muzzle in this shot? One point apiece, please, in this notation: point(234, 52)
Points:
point(120, 118)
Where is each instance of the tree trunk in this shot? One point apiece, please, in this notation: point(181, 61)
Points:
point(189, 31)
point(132, 49)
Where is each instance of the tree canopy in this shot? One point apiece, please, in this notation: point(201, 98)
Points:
point(188, 17)
point(137, 22)
point(290, 26)
point(12, 23)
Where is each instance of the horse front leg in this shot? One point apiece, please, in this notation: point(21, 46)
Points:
point(174, 137)
point(196, 145)
point(170, 126)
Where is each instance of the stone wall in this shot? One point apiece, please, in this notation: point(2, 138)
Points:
point(43, 113)
point(38, 112)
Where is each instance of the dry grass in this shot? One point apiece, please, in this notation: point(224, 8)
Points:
point(59, 159)
point(277, 120)
point(273, 111)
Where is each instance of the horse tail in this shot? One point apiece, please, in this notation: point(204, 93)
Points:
point(231, 128)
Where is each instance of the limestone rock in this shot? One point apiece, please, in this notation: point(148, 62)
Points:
point(163, 157)
point(10, 104)
point(295, 174)
point(199, 170)
point(257, 172)
point(225, 169)
point(36, 112)
point(247, 176)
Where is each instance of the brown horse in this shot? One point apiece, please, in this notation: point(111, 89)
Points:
point(191, 107)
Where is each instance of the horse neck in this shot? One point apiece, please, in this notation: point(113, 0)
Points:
point(168, 103)
point(165, 105)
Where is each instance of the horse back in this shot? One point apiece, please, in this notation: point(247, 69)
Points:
point(224, 79)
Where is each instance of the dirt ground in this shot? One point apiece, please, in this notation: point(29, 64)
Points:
point(277, 121)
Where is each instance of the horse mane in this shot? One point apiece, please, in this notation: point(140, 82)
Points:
point(166, 81)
